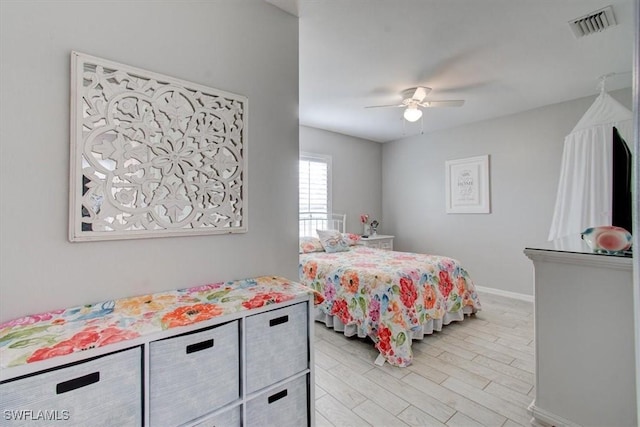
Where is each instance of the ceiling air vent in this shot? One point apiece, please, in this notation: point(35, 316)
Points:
point(594, 22)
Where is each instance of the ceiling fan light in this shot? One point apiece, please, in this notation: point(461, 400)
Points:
point(412, 114)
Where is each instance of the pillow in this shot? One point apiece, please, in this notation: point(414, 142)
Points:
point(332, 241)
point(310, 244)
point(350, 238)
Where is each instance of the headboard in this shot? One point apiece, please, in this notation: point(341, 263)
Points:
point(309, 222)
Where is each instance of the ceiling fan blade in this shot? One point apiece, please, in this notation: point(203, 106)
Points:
point(420, 93)
point(382, 106)
point(436, 104)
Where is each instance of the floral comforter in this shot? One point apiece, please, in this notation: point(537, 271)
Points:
point(388, 294)
point(56, 333)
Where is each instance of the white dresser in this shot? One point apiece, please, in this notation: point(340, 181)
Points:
point(378, 241)
point(250, 368)
point(584, 342)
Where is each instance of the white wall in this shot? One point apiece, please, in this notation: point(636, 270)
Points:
point(356, 174)
point(247, 47)
point(525, 152)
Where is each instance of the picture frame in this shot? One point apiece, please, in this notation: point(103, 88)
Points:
point(467, 185)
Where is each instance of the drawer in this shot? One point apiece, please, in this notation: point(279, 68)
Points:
point(287, 405)
point(104, 391)
point(277, 345)
point(230, 418)
point(386, 245)
point(193, 374)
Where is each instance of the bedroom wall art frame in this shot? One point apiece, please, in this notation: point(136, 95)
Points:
point(152, 155)
point(467, 185)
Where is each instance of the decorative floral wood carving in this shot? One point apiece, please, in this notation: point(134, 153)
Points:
point(153, 156)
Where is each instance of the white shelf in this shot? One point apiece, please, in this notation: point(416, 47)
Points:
point(285, 370)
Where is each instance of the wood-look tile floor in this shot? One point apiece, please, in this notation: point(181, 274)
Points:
point(478, 372)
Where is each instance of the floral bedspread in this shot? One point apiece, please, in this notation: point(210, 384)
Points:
point(388, 294)
point(42, 336)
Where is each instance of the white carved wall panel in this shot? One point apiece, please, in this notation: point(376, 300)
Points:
point(153, 156)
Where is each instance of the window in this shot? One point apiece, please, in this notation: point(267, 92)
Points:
point(315, 192)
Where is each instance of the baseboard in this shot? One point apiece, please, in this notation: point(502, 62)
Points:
point(544, 418)
point(500, 292)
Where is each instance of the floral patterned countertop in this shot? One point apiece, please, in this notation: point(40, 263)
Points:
point(60, 332)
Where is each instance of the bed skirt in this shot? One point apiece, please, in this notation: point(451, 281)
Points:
point(427, 328)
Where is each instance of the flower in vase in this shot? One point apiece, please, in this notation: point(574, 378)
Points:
point(364, 218)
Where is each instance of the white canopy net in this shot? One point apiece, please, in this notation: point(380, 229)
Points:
point(584, 191)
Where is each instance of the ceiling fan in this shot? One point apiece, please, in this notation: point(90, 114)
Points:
point(413, 99)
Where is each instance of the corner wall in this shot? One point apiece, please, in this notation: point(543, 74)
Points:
point(245, 47)
point(356, 174)
point(525, 152)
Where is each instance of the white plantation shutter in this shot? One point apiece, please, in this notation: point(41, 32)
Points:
point(315, 188)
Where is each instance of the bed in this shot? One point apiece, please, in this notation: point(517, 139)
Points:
point(391, 297)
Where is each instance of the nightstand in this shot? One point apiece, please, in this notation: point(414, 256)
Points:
point(379, 241)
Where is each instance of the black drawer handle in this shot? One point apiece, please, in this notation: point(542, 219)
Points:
point(278, 320)
point(200, 346)
point(77, 383)
point(279, 395)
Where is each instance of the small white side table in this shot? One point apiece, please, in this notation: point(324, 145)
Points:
point(379, 241)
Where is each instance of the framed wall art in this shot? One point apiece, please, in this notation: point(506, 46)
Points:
point(467, 185)
point(152, 155)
